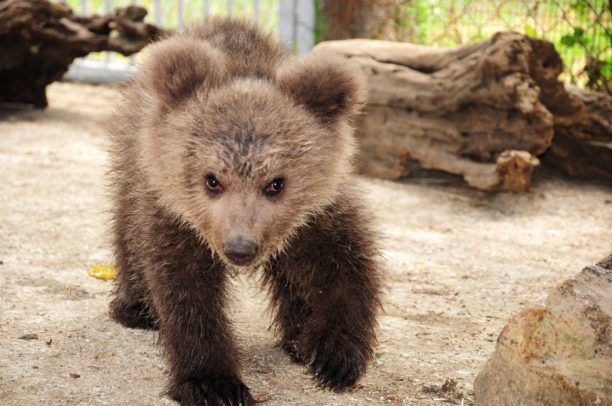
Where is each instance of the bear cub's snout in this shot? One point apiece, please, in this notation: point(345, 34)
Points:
point(240, 250)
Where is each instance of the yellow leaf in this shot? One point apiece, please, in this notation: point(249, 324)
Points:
point(104, 272)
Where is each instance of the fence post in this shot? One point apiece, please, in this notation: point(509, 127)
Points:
point(296, 20)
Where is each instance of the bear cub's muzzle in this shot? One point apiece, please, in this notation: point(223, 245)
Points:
point(240, 251)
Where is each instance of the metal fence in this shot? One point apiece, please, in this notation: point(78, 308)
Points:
point(291, 20)
point(579, 29)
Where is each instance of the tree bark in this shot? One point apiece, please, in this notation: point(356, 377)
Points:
point(582, 146)
point(582, 143)
point(39, 40)
point(483, 111)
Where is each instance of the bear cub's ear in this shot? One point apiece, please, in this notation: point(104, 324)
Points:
point(177, 67)
point(324, 84)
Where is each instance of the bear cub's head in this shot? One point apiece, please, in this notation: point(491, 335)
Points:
point(245, 160)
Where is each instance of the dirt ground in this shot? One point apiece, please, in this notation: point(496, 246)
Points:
point(459, 263)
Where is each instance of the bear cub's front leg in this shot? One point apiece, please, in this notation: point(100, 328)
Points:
point(188, 290)
point(327, 293)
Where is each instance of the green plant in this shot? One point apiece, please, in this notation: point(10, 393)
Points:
point(579, 29)
point(591, 37)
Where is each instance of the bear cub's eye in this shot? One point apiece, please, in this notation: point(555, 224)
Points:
point(213, 185)
point(274, 187)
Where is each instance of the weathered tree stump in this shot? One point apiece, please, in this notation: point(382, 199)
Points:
point(39, 40)
point(479, 111)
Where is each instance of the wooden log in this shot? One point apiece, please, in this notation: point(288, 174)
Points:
point(483, 111)
point(472, 110)
point(582, 146)
point(40, 39)
point(582, 143)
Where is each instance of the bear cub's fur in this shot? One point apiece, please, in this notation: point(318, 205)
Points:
point(230, 154)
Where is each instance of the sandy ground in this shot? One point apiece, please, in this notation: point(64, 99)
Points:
point(459, 263)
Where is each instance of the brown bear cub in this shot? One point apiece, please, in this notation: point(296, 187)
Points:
point(230, 154)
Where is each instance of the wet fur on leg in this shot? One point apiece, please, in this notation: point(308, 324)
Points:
point(326, 291)
point(188, 288)
point(133, 315)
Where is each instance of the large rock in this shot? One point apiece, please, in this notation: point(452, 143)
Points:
point(559, 354)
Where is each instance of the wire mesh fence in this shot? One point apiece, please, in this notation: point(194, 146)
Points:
point(579, 29)
point(291, 20)
point(174, 13)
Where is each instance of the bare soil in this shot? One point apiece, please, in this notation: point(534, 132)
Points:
point(459, 264)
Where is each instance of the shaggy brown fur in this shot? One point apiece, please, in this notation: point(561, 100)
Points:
point(229, 152)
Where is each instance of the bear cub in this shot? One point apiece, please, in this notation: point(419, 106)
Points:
point(229, 154)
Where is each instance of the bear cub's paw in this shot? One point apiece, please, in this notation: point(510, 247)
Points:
point(338, 365)
point(132, 315)
point(213, 392)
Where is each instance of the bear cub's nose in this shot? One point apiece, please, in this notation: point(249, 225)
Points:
point(240, 251)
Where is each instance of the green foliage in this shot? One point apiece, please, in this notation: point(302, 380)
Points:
point(579, 29)
point(530, 30)
point(589, 42)
point(320, 30)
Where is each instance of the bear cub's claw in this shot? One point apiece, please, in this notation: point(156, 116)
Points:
point(212, 392)
point(336, 370)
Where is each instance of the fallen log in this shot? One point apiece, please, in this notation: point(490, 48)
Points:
point(479, 111)
point(582, 142)
point(582, 145)
point(40, 39)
